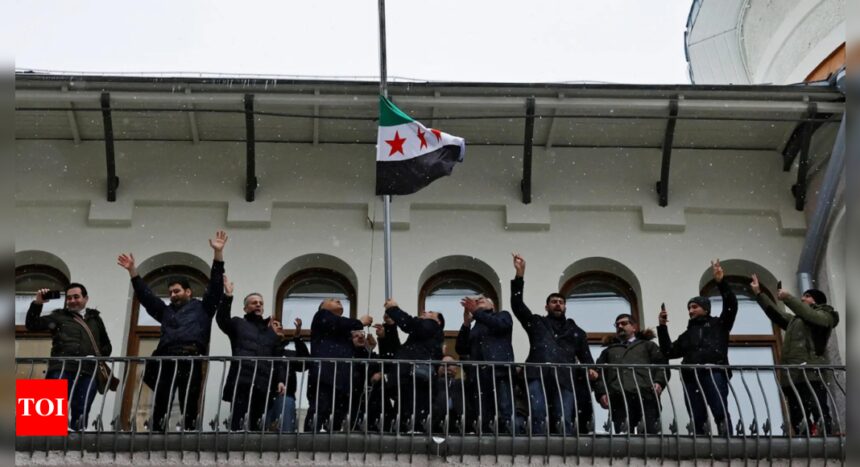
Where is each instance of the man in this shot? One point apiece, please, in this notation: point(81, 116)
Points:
point(186, 326)
point(426, 334)
point(705, 342)
point(804, 343)
point(447, 397)
point(554, 339)
point(251, 385)
point(362, 382)
point(622, 389)
point(488, 341)
point(70, 339)
point(328, 382)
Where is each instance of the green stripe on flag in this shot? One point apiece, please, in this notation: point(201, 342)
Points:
point(390, 115)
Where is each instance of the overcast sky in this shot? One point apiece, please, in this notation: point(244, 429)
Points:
point(619, 41)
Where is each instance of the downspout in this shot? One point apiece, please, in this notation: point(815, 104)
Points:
point(810, 255)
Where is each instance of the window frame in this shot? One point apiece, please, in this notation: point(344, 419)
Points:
point(301, 276)
point(616, 282)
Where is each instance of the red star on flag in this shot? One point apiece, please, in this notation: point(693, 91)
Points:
point(437, 133)
point(421, 137)
point(396, 144)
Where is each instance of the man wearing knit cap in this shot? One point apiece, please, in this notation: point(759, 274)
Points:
point(705, 342)
point(804, 343)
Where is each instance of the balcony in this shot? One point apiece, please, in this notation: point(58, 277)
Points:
point(372, 429)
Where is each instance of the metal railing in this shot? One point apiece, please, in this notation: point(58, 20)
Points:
point(372, 407)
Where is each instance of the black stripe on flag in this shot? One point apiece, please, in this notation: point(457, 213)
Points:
point(410, 175)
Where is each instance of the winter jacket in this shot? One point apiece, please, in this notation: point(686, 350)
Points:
point(68, 337)
point(252, 336)
point(186, 329)
point(487, 340)
point(331, 337)
point(806, 332)
point(547, 345)
point(706, 340)
point(633, 381)
point(424, 342)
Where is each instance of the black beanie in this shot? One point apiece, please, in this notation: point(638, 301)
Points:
point(703, 302)
point(817, 295)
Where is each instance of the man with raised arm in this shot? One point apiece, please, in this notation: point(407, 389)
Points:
point(705, 342)
point(553, 338)
point(329, 382)
point(486, 336)
point(804, 343)
point(186, 326)
point(252, 386)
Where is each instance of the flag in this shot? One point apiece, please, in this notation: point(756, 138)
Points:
point(409, 155)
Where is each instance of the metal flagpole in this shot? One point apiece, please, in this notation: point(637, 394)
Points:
point(386, 199)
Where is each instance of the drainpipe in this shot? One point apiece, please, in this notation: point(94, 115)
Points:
point(810, 255)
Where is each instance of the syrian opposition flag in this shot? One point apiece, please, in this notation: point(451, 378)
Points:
point(409, 155)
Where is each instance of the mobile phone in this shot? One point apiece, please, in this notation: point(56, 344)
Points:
point(51, 295)
point(778, 285)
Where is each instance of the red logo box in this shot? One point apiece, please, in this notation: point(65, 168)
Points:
point(41, 407)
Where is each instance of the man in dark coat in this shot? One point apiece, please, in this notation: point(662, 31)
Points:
point(631, 394)
point(282, 415)
point(489, 340)
point(186, 326)
point(804, 343)
point(706, 341)
point(70, 339)
point(554, 339)
point(329, 382)
point(252, 385)
point(426, 335)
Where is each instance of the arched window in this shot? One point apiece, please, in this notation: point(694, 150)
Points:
point(144, 333)
point(299, 296)
point(29, 279)
point(595, 298)
point(443, 291)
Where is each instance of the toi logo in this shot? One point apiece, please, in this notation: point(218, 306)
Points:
point(41, 407)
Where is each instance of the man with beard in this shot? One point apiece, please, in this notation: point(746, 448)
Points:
point(706, 341)
point(554, 339)
point(186, 326)
point(621, 389)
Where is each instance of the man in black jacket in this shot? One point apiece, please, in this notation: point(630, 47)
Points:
point(253, 385)
point(448, 397)
point(554, 339)
point(186, 326)
point(70, 339)
point(489, 340)
point(426, 334)
point(329, 382)
point(705, 342)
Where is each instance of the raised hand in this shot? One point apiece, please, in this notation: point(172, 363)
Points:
point(389, 303)
point(754, 285)
point(276, 326)
point(40, 296)
point(519, 264)
point(298, 323)
point(782, 294)
point(663, 317)
point(228, 286)
point(380, 330)
point(366, 320)
point(371, 342)
point(717, 270)
point(218, 244)
point(126, 261)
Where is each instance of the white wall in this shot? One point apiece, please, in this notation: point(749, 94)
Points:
point(317, 199)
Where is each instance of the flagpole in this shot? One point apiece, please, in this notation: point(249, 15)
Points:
point(386, 199)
